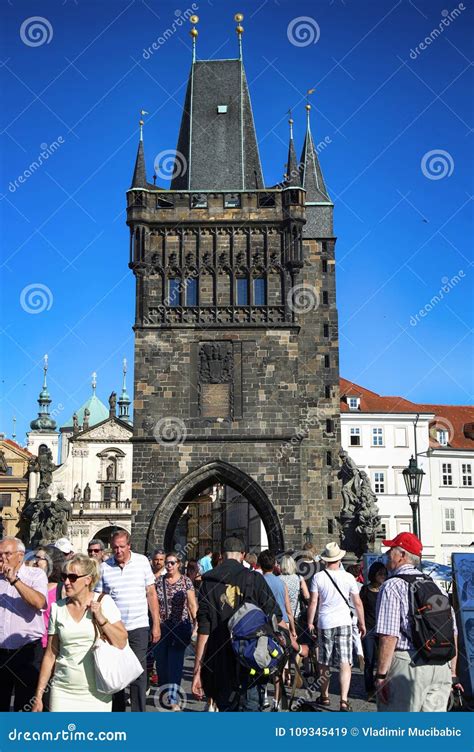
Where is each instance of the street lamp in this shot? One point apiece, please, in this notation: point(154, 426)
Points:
point(413, 477)
point(308, 536)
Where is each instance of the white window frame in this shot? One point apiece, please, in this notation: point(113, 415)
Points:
point(396, 442)
point(381, 482)
point(449, 520)
point(466, 474)
point(355, 431)
point(353, 403)
point(446, 474)
point(377, 436)
point(404, 521)
point(441, 433)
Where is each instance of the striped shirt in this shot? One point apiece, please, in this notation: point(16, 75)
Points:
point(127, 586)
point(392, 611)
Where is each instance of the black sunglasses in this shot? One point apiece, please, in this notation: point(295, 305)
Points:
point(170, 563)
point(71, 576)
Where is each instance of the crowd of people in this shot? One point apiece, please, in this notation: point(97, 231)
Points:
point(54, 602)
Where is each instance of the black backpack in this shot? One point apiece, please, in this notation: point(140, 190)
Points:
point(431, 620)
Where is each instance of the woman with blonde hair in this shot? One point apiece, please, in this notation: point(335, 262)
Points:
point(71, 635)
point(295, 583)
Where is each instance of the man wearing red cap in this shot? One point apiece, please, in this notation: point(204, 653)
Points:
point(401, 684)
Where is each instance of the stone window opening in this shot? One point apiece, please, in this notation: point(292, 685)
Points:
point(242, 291)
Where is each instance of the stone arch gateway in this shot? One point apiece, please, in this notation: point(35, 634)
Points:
point(168, 511)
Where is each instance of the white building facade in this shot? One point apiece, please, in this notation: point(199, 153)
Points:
point(382, 433)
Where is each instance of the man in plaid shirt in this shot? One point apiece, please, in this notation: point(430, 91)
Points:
point(402, 686)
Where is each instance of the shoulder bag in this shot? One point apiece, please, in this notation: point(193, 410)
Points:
point(341, 594)
point(115, 668)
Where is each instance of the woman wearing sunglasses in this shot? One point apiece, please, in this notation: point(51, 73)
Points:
point(178, 609)
point(71, 634)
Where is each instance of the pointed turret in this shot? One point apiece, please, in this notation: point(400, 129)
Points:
point(139, 174)
point(44, 422)
point(311, 175)
point(124, 401)
point(293, 177)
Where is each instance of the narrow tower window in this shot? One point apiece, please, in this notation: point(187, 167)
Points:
point(174, 292)
point(259, 291)
point(242, 291)
point(191, 291)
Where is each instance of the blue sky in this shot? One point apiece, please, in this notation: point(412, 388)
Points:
point(386, 108)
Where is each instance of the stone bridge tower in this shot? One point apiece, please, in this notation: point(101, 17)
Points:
point(236, 334)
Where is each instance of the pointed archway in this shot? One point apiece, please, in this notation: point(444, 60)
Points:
point(167, 513)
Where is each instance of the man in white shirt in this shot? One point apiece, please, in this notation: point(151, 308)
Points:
point(332, 588)
point(127, 577)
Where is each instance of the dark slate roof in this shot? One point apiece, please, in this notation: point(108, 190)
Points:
point(139, 174)
point(219, 149)
point(312, 176)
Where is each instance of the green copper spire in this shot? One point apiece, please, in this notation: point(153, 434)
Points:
point(44, 422)
point(124, 401)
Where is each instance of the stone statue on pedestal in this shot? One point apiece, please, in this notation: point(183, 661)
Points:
point(87, 492)
point(112, 404)
point(359, 520)
point(43, 464)
point(76, 493)
point(3, 463)
point(49, 520)
point(85, 423)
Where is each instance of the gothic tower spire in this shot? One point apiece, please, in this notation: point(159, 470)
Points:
point(311, 174)
point(139, 173)
point(292, 170)
point(217, 128)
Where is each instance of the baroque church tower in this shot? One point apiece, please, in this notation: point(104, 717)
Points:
point(236, 333)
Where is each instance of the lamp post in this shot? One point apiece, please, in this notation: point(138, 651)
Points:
point(308, 535)
point(413, 477)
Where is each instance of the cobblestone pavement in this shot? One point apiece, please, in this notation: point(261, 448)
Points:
point(357, 693)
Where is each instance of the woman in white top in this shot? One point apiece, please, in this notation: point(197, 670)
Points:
point(71, 636)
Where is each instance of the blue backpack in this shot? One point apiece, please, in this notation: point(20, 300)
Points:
point(257, 642)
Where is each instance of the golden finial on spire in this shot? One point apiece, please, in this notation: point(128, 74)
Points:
point(308, 105)
point(194, 33)
point(239, 17)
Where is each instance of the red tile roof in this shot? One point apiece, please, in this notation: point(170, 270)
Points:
point(455, 419)
point(17, 446)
